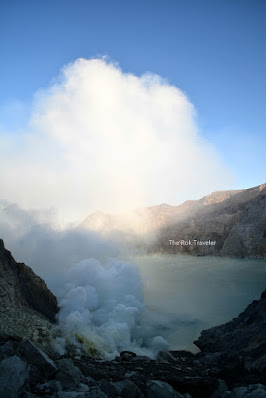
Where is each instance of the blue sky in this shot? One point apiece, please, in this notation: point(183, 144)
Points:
point(214, 51)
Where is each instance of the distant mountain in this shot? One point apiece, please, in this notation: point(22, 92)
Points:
point(234, 220)
point(234, 226)
point(148, 219)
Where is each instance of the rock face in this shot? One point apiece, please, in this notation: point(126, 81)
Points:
point(13, 374)
point(150, 219)
point(21, 287)
point(236, 223)
point(236, 351)
point(235, 220)
point(27, 307)
point(244, 335)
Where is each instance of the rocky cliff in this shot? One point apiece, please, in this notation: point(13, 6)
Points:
point(27, 307)
point(236, 225)
point(234, 220)
point(244, 335)
point(150, 219)
point(21, 287)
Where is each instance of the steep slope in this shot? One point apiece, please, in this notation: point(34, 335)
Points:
point(237, 225)
point(148, 219)
point(21, 287)
point(245, 334)
point(234, 220)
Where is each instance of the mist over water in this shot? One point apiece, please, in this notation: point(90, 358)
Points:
point(194, 293)
point(118, 301)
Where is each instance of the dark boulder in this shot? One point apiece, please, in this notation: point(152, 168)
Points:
point(38, 359)
point(160, 389)
point(68, 374)
point(13, 375)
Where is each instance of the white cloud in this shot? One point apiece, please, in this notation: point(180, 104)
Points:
point(100, 138)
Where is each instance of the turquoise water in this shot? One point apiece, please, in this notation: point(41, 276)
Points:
point(186, 294)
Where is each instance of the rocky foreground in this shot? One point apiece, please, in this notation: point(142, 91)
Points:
point(232, 361)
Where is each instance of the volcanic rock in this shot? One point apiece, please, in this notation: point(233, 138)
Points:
point(13, 374)
point(20, 286)
point(235, 220)
point(38, 358)
point(127, 389)
point(68, 374)
point(27, 307)
point(237, 225)
point(160, 389)
point(244, 335)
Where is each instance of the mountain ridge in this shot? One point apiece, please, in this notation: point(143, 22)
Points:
point(234, 219)
point(156, 216)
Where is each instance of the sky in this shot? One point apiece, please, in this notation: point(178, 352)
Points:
point(187, 75)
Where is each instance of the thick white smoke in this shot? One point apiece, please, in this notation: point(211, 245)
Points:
point(101, 299)
point(102, 308)
point(99, 138)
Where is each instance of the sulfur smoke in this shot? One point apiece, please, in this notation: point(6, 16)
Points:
point(102, 309)
point(101, 296)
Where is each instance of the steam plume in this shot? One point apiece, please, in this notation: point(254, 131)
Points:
point(99, 138)
point(102, 306)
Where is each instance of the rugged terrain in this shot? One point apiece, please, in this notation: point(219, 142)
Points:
point(149, 219)
point(27, 306)
point(231, 363)
point(237, 225)
point(234, 220)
